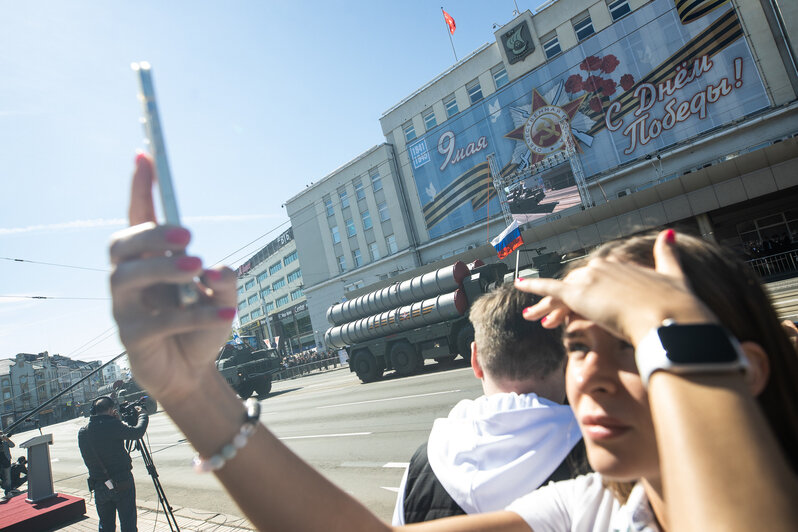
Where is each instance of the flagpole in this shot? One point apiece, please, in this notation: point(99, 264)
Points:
point(448, 32)
point(517, 254)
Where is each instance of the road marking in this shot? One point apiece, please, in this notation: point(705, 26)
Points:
point(402, 465)
point(54, 460)
point(388, 399)
point(397, 465)
point(395, 490)
point(327, 435)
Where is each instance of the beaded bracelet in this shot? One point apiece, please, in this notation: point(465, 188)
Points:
point(228, 452)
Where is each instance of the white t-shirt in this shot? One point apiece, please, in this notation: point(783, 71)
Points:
point(583, 504)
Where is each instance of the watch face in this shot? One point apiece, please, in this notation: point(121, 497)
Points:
point(697, 344)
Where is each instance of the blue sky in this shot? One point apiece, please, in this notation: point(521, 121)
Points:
point(257, 99)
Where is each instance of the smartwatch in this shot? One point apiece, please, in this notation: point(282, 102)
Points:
point(688, 348)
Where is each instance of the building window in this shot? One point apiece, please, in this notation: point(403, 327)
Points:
point(584, 28)
point(288, 259)
point(262, 276)
point(551, 46)
point(618, 9)
point(360, 192)
point(374, 251)
point(366, 219)
point(429, 119)
point(350, 227)
point(341, 264)
point(256, 313)
point(244, 319)
point(328, 204)
point(410, 131)
point(249, 284)
point(390, 242)
point(351, 287)
point(282, 301)
point(269, 306)
point(242, 305)
point(474, 92)
point(384, 214)
point(344, 198)
point(278, 284)
point(296, 294)
point(376, 180)
point(357, 259)
point(276, 267)
point(240, 290)
point(265, 292)
point(294, 275)
point(336, 236)
point(252, 299)
point(451, 106)
point(500, 76)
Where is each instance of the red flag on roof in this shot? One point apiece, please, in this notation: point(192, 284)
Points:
point(449, 21)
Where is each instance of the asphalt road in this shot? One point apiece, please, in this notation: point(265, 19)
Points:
point(360, 436)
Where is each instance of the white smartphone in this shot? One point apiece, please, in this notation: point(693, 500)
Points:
point(187, 293)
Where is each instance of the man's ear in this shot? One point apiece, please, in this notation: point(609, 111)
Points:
point(758, 373)
point(478, 373)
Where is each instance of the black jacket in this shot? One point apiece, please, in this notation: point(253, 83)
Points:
point(102, 446)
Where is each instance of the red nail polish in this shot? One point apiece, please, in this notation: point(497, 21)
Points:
point(526, 310)
point(178, 235)
point(139, 157)
point(226, 313)
point(520, 279)
point(670, 236)
point(213, 275)
point(188, 264)
point(543, 320)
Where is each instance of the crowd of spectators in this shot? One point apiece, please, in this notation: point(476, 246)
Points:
point(308, 360)
point(771, 246)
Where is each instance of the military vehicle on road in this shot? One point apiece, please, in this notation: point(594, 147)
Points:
point(248, 370)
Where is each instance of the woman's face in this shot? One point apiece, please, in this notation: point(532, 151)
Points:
point(610, 403)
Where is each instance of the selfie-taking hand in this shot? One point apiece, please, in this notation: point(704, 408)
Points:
point(170, 348)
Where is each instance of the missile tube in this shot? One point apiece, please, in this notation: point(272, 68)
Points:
point(418, 288)
point(420, 313)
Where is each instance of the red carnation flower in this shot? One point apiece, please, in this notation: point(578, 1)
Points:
point(591, 63)
point(609, 63)
point(608, 87)
point(593, 83)
point(595, 104)
point(627, 82)
point(573, 83)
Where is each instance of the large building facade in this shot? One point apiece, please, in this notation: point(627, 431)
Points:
point(271, 299)
point(584, 121)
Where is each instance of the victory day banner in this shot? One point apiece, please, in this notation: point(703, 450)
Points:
point(646, 82)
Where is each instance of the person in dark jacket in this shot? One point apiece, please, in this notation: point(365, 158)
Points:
point(102, 445)
point(5, 463)
point(19, 472)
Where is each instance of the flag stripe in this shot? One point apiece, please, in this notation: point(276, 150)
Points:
point(455, 194)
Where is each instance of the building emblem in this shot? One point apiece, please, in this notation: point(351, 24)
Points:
point(518, 43)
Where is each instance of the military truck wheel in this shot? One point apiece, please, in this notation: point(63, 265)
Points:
point(366, 367)
point(263, 387)
point(244, 391)
point(464, 338)
point(404, 359)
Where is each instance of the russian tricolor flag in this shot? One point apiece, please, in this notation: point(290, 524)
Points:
point(509, 240)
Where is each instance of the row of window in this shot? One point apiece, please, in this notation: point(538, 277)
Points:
point(360, 192)
point(276, 285)
point(365, 216)
point(279, 302)
point(583, 27)
point(274, 268)
point(374, 253)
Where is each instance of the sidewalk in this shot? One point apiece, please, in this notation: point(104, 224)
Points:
point(151, 517)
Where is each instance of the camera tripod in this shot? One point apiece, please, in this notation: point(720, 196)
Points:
point(148, 463)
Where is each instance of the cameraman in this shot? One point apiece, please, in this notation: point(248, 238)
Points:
point(102, 446)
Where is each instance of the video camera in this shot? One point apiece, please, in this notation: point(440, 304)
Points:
point(128, 412)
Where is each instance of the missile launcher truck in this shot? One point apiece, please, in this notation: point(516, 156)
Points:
point(399, 326)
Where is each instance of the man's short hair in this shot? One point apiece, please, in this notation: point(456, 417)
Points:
point(103, 405)
point(508, 346)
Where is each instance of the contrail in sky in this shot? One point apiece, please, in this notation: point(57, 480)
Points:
point(121, 222)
